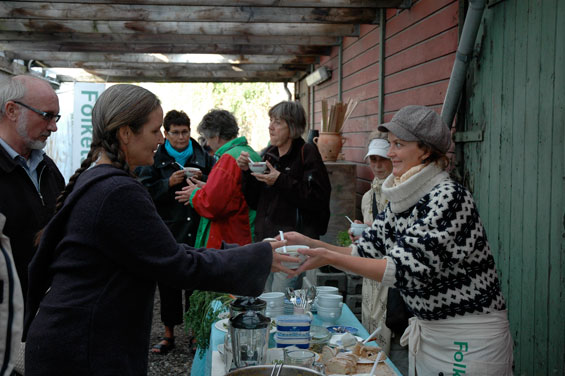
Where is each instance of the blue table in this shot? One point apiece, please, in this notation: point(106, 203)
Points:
point(203, 367)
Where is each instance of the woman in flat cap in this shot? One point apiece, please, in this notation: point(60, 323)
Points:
point(430, 244)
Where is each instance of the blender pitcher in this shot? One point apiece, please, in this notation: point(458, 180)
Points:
point(250, 338)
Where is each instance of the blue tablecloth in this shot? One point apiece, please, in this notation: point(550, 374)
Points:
point(203, 366)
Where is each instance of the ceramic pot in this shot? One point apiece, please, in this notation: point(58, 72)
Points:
point(329, 144)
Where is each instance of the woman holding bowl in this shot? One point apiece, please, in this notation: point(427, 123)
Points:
point(294, 193)
point(92, 279)
point(431, 245)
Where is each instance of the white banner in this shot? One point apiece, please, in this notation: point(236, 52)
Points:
point(86, 95)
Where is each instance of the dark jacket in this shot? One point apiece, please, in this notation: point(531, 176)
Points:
point(181, 219)
point(300, 198)
point(101, 255)
point(27, 211)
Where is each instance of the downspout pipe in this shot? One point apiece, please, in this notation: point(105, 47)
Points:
point(382, 65)
point(462, 58)
point(340, 71)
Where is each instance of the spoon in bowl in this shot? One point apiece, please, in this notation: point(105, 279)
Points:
point(349, 219)
point(282, 238)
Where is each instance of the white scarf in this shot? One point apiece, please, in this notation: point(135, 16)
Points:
point(405, 195)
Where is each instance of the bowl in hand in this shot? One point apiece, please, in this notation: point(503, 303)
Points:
point(357, 229)
point(190, 171)
point(292, 250)
point(258, 167)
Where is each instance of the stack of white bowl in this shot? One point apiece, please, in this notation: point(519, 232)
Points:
point(329, 308)
point(275, 304)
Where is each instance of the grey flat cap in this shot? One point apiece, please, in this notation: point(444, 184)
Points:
point(419, 123)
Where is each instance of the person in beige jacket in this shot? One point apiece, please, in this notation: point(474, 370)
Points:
point(373, 308)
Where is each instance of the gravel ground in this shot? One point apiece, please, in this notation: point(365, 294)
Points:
point(179, 360)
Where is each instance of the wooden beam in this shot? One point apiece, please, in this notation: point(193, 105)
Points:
point(191, 28)
point(171, 48)
point(70, 57)
point(267, 3)
point(191, 66)
point(145, 76)
point(179, 71)
point(138, 12)
point(29, 36)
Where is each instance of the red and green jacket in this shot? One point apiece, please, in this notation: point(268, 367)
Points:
point(222, 207)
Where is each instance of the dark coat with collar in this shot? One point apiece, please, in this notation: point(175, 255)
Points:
point(27, 211)
point(100, 257)
point(181, 219)
point(300, 198)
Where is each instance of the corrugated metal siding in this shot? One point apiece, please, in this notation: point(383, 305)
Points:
point(517, 173)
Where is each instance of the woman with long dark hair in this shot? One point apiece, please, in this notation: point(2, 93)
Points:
point(92, 280)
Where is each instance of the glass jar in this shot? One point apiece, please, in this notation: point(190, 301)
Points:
point(319, 337)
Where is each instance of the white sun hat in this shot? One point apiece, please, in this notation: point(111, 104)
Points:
point(379, 147)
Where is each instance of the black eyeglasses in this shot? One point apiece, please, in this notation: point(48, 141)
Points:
point(176, 133)
point(47, 116)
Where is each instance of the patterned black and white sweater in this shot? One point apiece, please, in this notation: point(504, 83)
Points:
point(436, 247)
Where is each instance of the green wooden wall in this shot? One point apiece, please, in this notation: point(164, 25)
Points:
point(515, 97)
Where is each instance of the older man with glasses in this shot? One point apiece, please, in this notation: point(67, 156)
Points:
point(29, 180)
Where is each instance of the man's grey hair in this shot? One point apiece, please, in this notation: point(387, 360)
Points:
point(10, 90)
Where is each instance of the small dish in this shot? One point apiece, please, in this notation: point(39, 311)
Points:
point(335, 341)
point(340, 329)
point(222, 325)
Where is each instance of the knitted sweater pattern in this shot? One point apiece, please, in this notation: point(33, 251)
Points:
point(444, 265)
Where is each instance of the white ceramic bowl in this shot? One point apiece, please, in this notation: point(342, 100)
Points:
point(292, 250)
point(190, 171)
point(327, 289)
point(357, 229)
point(330, 301)
point(258, 167)
point(329, 316)
point(274, 300)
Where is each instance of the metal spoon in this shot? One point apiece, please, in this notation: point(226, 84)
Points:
point(349, 219)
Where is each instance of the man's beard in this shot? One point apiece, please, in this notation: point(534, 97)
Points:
point(21, 128)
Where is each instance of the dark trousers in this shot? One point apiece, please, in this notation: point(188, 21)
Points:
point(172, 310)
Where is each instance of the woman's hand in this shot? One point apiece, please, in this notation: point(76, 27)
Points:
point(295, 238)
point(270, 177)
point(243, 161)
point(183, 196)
point(176, 178)
point(317, 257)
point(278, 259)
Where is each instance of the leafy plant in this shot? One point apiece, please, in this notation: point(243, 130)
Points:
point(343, 239)
point(202, 314)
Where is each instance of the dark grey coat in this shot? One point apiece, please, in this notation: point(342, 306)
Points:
point(181, 219)
point(101, 255)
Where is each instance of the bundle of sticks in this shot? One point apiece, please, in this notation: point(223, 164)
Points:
point(338, 114)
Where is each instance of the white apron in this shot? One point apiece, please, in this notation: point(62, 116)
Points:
point(466, 345)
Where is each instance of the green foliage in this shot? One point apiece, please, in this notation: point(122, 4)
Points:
point(202, 314)
point(343, 239)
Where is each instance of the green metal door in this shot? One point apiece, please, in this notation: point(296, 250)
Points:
point(513, 159)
